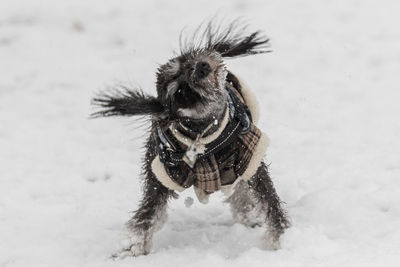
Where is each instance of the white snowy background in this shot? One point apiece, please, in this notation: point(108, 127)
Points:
point(329, 92)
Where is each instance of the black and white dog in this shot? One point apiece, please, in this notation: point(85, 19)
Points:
point(203, 135)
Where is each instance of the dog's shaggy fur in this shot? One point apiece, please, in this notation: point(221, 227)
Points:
point(191, 89)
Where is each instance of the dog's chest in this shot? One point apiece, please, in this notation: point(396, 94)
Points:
point(234, 153)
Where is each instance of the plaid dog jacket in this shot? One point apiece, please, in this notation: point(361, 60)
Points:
point(238, 159)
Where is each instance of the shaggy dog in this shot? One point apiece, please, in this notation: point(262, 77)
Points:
point(203, 134)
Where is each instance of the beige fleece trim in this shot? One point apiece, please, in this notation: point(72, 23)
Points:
point(256, 158)
point(159, 171)
point(204, 140)
point(250, 100)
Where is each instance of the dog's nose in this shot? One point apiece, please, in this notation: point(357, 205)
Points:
point(202, 69)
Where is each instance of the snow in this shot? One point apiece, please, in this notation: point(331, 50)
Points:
point(329, 94)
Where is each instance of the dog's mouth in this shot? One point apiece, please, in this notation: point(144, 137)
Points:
point(186, 96)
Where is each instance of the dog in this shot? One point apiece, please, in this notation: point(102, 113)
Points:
point(203, 135)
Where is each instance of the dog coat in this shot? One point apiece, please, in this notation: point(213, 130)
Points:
point(230, 154)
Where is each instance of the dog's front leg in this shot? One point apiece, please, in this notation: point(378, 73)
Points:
point(269, 204)
point(148, 218)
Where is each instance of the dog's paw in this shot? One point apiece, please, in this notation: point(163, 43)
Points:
point(273, 244)
point(131, 248)
point(272, 241)
point(274, 234)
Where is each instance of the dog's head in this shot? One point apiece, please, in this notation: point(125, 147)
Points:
point(192, 84)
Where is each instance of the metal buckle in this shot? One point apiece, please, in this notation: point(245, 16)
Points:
point(191, 154)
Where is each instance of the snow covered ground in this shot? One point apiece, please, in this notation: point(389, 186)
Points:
point(330, 103)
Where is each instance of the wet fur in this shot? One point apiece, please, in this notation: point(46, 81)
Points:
point(126, 102)
point(253, 203)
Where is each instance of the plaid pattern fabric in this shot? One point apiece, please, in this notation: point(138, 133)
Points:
point(221, 168)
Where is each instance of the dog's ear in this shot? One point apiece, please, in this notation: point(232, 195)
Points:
point(234, 41)
point(126, 102)
point(228, 39)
